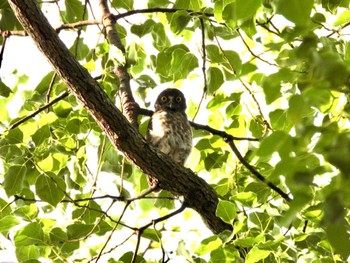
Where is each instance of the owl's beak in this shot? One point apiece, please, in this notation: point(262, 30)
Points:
point(171, 104)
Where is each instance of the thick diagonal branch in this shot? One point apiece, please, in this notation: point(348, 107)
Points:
point(172, 177)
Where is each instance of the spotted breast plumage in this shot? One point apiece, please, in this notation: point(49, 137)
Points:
point(169, 129)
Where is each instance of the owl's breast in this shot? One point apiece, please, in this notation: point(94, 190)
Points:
point(159, 125)
point(171, 133)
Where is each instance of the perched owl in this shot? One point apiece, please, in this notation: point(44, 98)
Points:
point(169, 129)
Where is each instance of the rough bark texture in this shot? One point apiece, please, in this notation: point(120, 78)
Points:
point(129, 106)
point(172, 177)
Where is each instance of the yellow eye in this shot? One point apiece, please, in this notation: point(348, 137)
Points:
point(163, 99)
point(178, 99)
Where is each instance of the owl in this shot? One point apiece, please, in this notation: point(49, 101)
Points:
point(169, 129)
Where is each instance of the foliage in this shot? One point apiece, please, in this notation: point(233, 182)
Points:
point(276, 70)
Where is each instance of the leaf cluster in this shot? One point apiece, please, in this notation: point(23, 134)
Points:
point(274, 70)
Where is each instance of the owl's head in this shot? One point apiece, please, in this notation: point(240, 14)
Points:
point(171, 99)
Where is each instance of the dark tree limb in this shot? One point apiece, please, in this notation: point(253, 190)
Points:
point(175, 178)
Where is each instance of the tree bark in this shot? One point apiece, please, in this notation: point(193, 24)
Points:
point(179, 180)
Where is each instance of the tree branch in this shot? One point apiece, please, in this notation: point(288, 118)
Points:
point(129, 106)
point(171, 176)
point(159, 9)
point(255, 172)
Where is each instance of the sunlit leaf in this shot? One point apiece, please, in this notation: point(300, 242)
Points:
point(343, 18)
point(41, 135)
point(226, 211)
point(127, 4)
point(31, 234)
point(49, 188)
point(208, 244)
point(297, 11)
point(339, 238)
point(143, 29)
point(74, 10)
point(179, 21)
point(215, 79)
point(78, 230)
point(256, 254)
point(14, 179)
point(8, 222)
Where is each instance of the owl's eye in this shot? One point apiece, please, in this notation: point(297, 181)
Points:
point(178, 99)
point(163, 99)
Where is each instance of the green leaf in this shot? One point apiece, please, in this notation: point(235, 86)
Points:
point(8, 20)
point(343, 18)
point(279, 120)
point(152, 234)
point(4, 90)
point(298, 109)
point(179, 21)
point(249, 241)
point(209, 244)
point(143, 29)
point(182, 4)
point(297, 11)
point(175, 63)
point(49, 188)
point(5, 209)
point(8, 222)
point(226, 211)
point(214, 54)
point(339, 238)
point(158, 3)
point(215, 79)
point(227, 253)
point(30, 253)
point(74, 125)
point(233, 62)
point(127, 4)
point(272, 84)
point(79, 230)
point(31, 234)
point(160, 38)
point(129, 256)
point(300, 200)
point(47, 118)
point(14, 179)
point(276, 142)
point(27, 212)
point(41, 135)
point(62, 108)
point(240, 9)
point(80, 50)
point(74, 10)
point(14, 136)
point(41, 88)
point(58, 235)
point(256, 254)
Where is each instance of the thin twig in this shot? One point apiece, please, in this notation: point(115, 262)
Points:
point(52, 82)
point(154, 222)
point(255, 172)
point(251, 51)
point(19, 122)
point(112, 232)
point(204, 72)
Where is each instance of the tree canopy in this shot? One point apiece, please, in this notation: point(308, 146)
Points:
point(267, 87)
